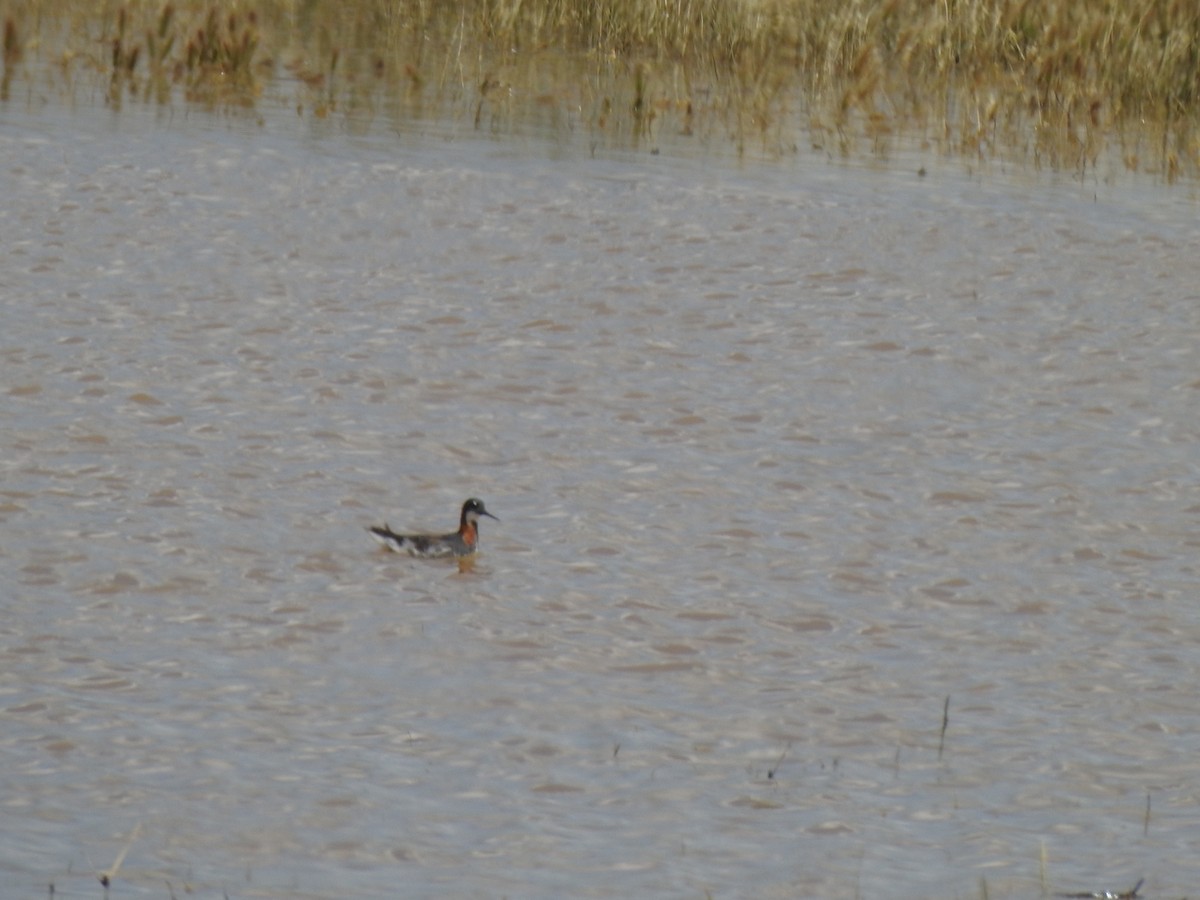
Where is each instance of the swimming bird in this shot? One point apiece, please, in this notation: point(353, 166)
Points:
point(432, 546)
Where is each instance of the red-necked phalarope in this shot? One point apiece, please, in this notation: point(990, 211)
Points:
point(458, 543)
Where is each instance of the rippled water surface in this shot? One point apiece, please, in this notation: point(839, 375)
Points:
point(790, 461)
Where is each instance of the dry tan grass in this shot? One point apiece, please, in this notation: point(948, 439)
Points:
point(1059, 82)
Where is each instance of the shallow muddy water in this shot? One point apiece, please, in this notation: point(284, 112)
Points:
point(784, 456)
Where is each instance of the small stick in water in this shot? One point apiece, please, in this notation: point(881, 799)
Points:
point(945, 723)
point(107, 877)
point(775, 768)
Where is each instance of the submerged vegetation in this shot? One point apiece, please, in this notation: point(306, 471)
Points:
point(1062, 84)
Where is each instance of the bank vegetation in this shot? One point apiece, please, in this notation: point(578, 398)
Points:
point(1061, 84)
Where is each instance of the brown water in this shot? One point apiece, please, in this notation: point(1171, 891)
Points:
point(784, 457)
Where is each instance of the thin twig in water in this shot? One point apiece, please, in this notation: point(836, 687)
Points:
point(107, 877)
point(945, 723)
point(775, 768)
